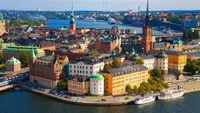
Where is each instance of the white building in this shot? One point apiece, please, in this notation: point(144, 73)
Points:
point(149, 61)
point(96, 84)
point(86, 66)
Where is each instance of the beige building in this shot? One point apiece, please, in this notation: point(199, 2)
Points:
point(13, 65)
point(116, 80)
point(78, 85)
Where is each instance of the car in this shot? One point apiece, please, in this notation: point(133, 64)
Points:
point(83, 97)
point(103, 99)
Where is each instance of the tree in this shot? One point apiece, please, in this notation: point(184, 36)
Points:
point(106, 67)
point(128, 88)
point(115, 63)
point(192, 66)
point(139, 61)
point(155, 73)
point(62, 85)
point(24, 58)
point(93, 52)
point(135, 89)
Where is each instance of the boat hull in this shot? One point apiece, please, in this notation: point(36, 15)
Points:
point(170, 97)
point(145, 102)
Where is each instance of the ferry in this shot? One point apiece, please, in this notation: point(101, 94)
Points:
point(111, 21)
point(90, 19)
point(166, 94)
point(144, 99)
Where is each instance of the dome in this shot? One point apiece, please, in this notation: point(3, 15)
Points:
point(13, 61)
point(162, 55)
point(135, 57)
point(96, 77)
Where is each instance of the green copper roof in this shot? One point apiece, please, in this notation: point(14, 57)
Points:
point(162, 55)
point(1, 16)
point(32, 54)
point(72, 20)
point(13, 61)
point(13, 49)
point(135, 57)
point(7, 44)
point(132, 52)
point(179, 41)
point(96, 77)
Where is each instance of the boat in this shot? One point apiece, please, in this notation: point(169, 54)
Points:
point(90, 19)
point(166, 94)
point(144, 99)
point(111, 21)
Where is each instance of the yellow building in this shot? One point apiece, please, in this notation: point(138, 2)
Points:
point(116, 80)
point(2, 25)
point(176, 60)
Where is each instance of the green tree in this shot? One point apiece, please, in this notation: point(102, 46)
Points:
point(93, 52)
point(192, 66)
point(139, 61)
point(128, 88)
point(155, 73)
point(135, 89)
point(106, 67)
point(115, 63)
point(62, 85)
point(24, 58)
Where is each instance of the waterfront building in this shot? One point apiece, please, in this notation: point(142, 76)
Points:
point(16, 51)
point(162, 62)
point(78, 85)
point(86, 66)
point(147, 38)
point(48, 70)
point(2, 25)
point(13, 65)
point(116, 80)
point(96, 84)
point(176, 59)
point(176, 47)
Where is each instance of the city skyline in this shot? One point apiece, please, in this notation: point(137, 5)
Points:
point(99, 5)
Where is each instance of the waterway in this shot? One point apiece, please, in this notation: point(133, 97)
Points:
point(59, 23)
point(26, 102)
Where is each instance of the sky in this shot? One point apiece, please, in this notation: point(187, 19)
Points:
point(99, 5)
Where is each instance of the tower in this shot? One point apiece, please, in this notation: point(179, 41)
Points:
point(31, 63)
point(179, 45)
point(147, 39)
point(72, 20)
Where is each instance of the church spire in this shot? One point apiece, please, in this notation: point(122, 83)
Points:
point(147, 15)
point(72, 14)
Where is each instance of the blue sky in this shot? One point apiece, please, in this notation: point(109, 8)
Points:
point(111, 5)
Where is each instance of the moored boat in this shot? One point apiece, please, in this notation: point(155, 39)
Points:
point(144, 99)
point(170, 94)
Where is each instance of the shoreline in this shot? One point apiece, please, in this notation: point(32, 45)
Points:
point(97, 103)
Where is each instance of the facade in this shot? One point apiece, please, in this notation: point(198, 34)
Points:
point(147, 38)
point(86, 66)
point(16, 51)
point(96, 84)
point(107, 45)
point(2, 25)
point(177, 47)
point(116, 80)
point(47, 71)
point(78, 85)
point(176, 60)
point(13, 65)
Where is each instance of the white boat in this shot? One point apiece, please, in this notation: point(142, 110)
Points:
point(111, 21)
point(90, 19)
point(144, 99)
point(170, 94)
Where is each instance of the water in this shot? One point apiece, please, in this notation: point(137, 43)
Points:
point(195, 54)
point(59, 23)
point(26, 102)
